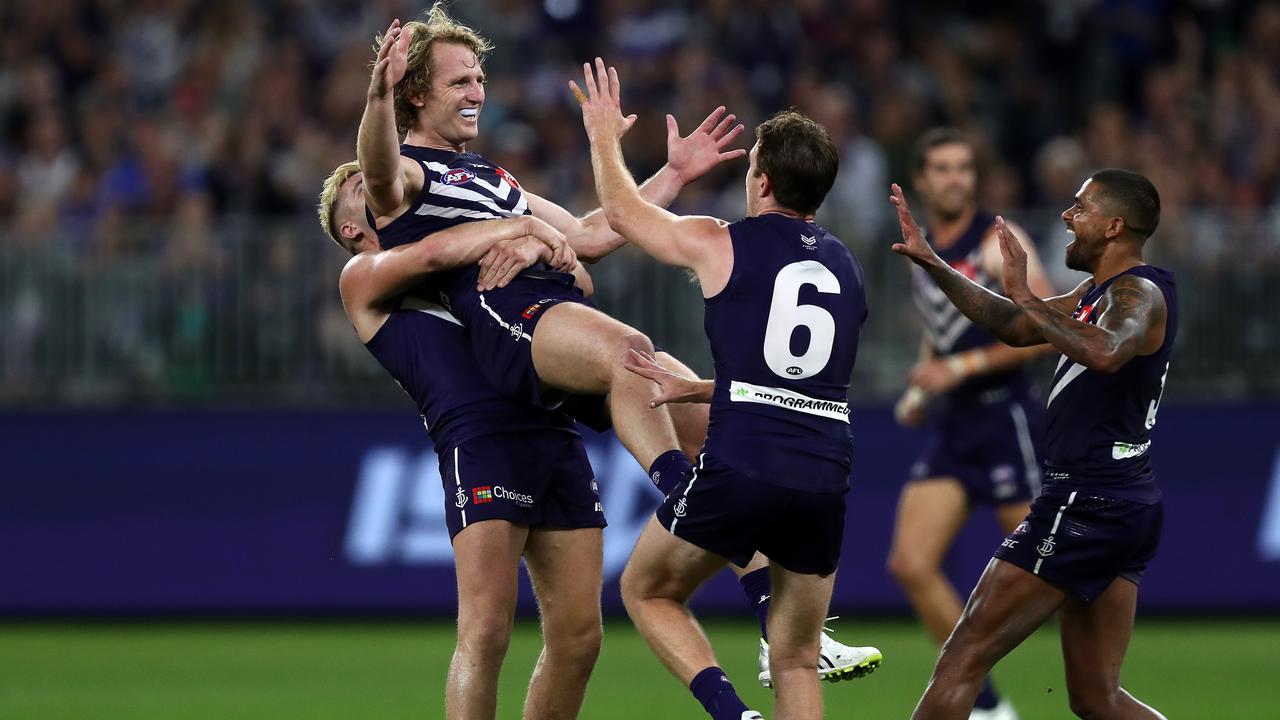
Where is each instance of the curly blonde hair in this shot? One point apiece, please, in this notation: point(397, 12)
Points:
point(436, 26)
point(326, 209)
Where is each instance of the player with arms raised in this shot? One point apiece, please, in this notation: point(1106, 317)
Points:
point(784, 303)
point(1096, 524)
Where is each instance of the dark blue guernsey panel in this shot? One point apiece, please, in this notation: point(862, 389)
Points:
point(946, 329)
point(1099, 424)
point(784, 336)
point(427, 352)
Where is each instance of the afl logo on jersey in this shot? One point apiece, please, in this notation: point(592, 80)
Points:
point(793, 370)
point(457, 176)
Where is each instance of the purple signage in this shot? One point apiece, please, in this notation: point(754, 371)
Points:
point(340, 511)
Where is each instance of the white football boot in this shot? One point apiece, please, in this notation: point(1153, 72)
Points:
point(836, 661)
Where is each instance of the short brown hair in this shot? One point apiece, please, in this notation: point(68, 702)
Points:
point(436, 27)
point(799, 158)
point(936, 137)
point(328, 206)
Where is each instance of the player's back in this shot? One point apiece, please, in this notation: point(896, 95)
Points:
point(784, 336)
point(426, 350)
point(1099, 424)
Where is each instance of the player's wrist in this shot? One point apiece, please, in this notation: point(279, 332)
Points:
point(967, 364)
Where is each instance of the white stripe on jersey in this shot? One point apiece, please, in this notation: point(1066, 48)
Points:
point(517, 330)
point(1027, 447)
point(788, 400)
point(1074, 372)
point(453, 212)
point(426, 306)
point(1054, 530)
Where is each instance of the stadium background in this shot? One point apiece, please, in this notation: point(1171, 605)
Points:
point(209, 489)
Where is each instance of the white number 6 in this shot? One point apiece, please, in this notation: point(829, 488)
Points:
point(785, 315)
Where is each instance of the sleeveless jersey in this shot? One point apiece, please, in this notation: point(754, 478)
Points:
point(1099, 424)
point(458, 188)
point(784, 337)
point(426, 350)
point(947, 330)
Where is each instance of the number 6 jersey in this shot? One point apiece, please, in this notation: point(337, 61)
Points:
point(784, 336)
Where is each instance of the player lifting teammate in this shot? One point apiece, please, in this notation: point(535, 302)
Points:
point(775, 468)
point(986, 447)
point(1096, 524)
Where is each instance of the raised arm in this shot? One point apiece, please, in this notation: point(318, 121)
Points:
point(692, 242)
point(998, 315)
point(386, 176)
point(688, 158)
point(1132, 322)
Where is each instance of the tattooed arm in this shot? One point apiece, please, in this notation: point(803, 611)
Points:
point(996, 314)
point(1132, 324)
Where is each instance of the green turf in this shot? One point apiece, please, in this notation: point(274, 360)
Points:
point(1189, 669)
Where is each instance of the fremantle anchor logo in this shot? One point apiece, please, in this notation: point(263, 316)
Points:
point(461, 499)
point(680, 508)
point(1046, 547)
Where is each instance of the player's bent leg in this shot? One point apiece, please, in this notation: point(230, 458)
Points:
point(796, 615)
point(659, 579)
point(487, 557)
point(1095, 636)
point(1007, 605)
point(580, 349)
point(930, 513)
point(565, 570)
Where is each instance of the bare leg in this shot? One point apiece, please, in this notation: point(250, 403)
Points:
point(565, 569)
point(691, 419)
point(796, 614)
point(1095, 637)
point(660, 577)
point(930, 513)
point(1008, 604)
point(487, 555)
point(1010, 515)
point(579, 349)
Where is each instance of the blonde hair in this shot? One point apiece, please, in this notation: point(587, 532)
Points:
point(328, 204)
point(436, 27)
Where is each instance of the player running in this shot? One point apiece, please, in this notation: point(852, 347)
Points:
point(499, 506)
point(1096, 524)
point(537, 338)
point(987, 434)
point(775, 467)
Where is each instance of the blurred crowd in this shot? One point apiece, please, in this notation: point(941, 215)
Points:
point(164, 130)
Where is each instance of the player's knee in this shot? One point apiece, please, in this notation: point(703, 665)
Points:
point(577, 644)
point(489, 639)
point(627, 341)
point(788, 655)
point(908, 568)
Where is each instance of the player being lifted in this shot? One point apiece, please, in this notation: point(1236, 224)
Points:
point(784, 304)
point(499, 507)
point(986, 447)
point(538, 335)
point(1096, 524)
point(537, 332)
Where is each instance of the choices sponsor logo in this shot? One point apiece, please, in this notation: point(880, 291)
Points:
point(518, 498)
point(482, 494)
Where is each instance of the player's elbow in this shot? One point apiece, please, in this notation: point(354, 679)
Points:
point(1107, 361)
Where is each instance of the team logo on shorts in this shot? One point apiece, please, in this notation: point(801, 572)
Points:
point(517, 331)
point(461, 500)
point(482, 494)
point(680, 508)
point(1022, 528)
point(457, 176)
point(1045, 548)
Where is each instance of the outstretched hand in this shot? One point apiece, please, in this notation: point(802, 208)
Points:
point(1015, 263)
point(694, 155)
point(672, 388)
point(391, 62)
point(601, 103)
point(913, 244)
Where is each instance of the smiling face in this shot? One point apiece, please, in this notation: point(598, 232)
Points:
point(948, 180)
point(448, 115)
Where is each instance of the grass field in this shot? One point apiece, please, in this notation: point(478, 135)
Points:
point(1188, 669)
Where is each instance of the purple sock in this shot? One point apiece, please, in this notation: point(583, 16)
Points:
point(669, 470)
point(717, 695)
point(755, 585)
point(987, 697)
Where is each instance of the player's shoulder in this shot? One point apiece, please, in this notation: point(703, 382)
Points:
point(353, 280)
point(1134, 292)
